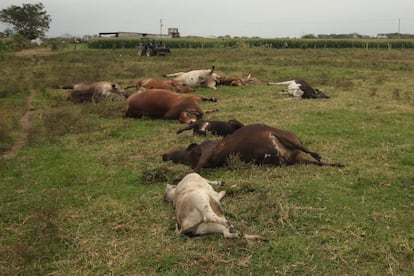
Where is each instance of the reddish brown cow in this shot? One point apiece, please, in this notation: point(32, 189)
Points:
point(232, 81)
point(171, 85)
point(256, 143)
point(238, 81)
point(159, 103)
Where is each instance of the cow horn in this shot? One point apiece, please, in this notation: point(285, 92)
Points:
point(212, 69)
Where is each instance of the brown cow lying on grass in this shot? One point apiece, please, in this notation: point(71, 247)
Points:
point(152, 83)
point(198, 210)
point(159, 103)
point(95, 92)
point(256, 143)
point(238, 81)
point(219, 128)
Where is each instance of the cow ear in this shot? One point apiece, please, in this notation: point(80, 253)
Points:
point(191, 146)
point(197, 114)
point(113, 85)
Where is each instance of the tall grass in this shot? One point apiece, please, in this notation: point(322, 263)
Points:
point(85, 194)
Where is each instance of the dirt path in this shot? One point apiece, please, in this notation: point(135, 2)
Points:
point(26, 127)
point(31, 52)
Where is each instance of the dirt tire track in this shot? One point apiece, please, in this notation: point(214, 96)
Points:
point(26, 127)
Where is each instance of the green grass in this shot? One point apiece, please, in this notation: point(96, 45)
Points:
point(85, 194)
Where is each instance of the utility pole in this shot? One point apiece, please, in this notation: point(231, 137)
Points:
point(399, 25)
point(161, 28)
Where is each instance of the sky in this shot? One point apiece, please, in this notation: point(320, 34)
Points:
point(241, 18)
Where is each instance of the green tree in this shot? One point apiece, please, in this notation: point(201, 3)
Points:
point(29, 20)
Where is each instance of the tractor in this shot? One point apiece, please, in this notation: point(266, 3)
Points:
point(152, 48)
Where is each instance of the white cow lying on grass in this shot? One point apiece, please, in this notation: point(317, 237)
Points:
point(94, 92)
point(197, 78)
point(197, 208)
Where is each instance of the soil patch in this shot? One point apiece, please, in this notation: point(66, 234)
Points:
point(31, 52)
point(26, 126)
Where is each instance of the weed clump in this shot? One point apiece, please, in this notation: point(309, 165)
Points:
point(151, 175)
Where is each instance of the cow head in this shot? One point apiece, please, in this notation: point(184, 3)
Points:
point(191, 155)
point(188, 156)
point(237, 124)
point(190, 116)
point(117, 89)
point(169, 195)
point(320, 94)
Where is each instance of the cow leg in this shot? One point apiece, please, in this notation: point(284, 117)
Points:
point(132, 114)
point(318, 158)
point(207, 228)
point(221, 195)
point(210, 110)
point(303, 160)
point(189, 127)
point(212, 99)
point(296, 144)
point(217, 183)
point(202, 161)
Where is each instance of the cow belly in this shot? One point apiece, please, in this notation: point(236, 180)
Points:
point(263, 149)
point(191, 80)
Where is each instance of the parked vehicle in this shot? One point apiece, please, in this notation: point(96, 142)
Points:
point(152, 48)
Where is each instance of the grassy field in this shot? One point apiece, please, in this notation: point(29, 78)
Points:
point(84, 195)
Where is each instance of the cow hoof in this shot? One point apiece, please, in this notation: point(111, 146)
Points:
point(315, 155)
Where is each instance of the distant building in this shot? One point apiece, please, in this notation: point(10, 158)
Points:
point(173, 32)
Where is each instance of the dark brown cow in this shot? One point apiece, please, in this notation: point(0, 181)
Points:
point(152, 83)
point(219, 128)
point(159, 103)
point(190, 155)
point(256, 143)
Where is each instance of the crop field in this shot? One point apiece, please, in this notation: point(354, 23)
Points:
point(82, 193)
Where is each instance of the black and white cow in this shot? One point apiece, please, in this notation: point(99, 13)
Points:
point(301, 89)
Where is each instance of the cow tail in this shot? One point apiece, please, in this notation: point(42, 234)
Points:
point(171, 75)
point(131, 86)
point(281, 83)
